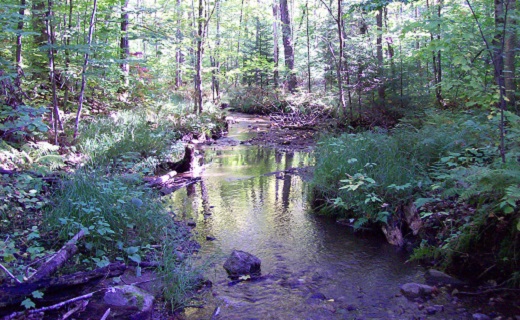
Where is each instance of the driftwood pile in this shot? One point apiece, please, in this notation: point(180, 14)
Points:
point(297, 119)
point(55, 288)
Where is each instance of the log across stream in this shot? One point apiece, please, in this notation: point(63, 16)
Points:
point(312, 267)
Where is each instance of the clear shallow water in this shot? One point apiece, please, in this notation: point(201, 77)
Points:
point(245, 207)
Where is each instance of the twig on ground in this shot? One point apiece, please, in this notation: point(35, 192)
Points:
point(9, 274)
point(81, 306)
point(105, 315)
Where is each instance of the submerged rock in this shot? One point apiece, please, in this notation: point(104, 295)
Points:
point(416, 290)
point(480, 316)
point(436, 277)
point(129, 302)
point(241, 263)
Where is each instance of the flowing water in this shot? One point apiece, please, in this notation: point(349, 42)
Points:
point(312, 267)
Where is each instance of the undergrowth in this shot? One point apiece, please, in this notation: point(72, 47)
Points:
point(447, 170)
point(47, 195)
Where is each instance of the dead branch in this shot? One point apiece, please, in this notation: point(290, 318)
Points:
point(49, 308)
point(56, 261)
point(105, 315)
point(488, 291)
point(9, 273)
point(11, 295)
point(79, 307)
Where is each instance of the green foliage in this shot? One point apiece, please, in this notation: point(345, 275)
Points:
point(22, 122)
point(122, 219)
point(180, 276)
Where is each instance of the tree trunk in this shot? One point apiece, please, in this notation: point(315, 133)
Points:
point(287, 45)
point(379, 54)
point(124, 46)
point(198, 60)
point(58, 125)
point(40, 37)
point(276, 50)
point(339, 20)
point(67, 60)
point(308, 49)
point(510, 47)
point(237, 62)
point(179, 59)
point(18, 57)
point(84, 70)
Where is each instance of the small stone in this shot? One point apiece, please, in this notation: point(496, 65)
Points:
point(480, 316)
point(436, 277)
point(318, 295)
point(431, 310)
point(415, 290)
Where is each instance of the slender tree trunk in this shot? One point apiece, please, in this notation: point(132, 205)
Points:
point(237, 62)
point(308, 49)
point(198, 60)
point(124, 45)
point(276, 50)
point(84, 69)
point(58, 125)
point(340, 60)
point(287, 45)
point(178, 53)
point(379, 54)
point(18, 58)
point(67, 59)
point(40, 38)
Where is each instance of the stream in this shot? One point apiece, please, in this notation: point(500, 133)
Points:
point(312, 267)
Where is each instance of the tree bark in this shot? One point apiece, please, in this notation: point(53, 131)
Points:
point(288, 45)
point(510, 48)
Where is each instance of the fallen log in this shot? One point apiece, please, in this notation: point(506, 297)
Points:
point(58, 259)
point(11, 295)
point(159, 181)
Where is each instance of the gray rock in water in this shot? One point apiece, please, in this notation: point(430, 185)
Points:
point(436, 277)
point(416, 290)
point(480, 316)
point(129, 302)
point(241, 263)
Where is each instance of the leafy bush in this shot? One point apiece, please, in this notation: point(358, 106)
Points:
point(21, 122)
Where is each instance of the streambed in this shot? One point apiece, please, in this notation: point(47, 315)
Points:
point(312, 267)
